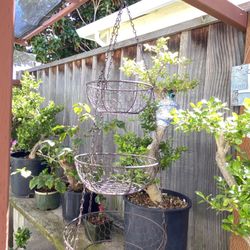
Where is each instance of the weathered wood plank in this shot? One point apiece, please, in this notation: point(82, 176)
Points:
point(192, 24)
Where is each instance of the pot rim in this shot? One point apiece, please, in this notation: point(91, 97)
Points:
point(168, 210)
point(46, 193)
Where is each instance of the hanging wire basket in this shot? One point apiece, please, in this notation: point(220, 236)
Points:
point(119, 96)
point(115, 174)
point(108, 230)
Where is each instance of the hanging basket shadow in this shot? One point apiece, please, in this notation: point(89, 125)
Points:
point(115, 174)
point(119, 96)
point(108, 230)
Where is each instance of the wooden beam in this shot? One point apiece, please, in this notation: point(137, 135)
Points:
point(6, 62)
point(222, 10)
point(72, 6)
point(237, 242)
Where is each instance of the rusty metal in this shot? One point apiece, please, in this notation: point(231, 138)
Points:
point(56, 17)
point(223, 10)
point(6, 62)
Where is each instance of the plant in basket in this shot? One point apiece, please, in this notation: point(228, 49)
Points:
point(159, 205)
point(56, 153)
point(98, 226)
point(234, 184)
point(32, 122)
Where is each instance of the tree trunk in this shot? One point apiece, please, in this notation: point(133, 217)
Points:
point(222, 150)
point(153, 190)
point(33, 151)
point(67, 168)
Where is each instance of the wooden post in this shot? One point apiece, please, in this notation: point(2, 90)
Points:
point(237, 242)
point(6, 61)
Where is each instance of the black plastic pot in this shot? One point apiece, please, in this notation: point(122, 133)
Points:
point(71, 204)
point(139, 232)
point(19, 184)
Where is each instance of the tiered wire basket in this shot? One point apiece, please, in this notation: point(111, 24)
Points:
point(112, 233)
point(119, 96)
point(114, 173)
point(110, 173)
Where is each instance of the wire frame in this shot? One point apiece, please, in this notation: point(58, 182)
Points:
point(119, 96)
point(115, 174)
point(112, 231)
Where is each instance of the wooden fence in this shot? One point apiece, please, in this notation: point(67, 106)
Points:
point(213, 49)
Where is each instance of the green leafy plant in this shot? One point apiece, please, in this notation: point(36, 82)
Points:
point(158, 74)
point(61, 40)
point(22, 236)
point(47, 182)
point(229, 131)
point(57, 154)
point(31, 122)
point(165, 83)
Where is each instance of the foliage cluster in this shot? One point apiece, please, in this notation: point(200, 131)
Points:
point(31, 122)
point(211, 116)
point(58, 155)
point(47, 182)
point(22, 236)
point(61, 40)
point(159, 75)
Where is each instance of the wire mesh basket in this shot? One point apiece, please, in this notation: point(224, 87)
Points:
point(115, 174)
point(109, 230)
point(119, 96)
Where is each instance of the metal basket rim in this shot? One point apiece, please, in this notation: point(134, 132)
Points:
point(91, 85)
point(119, 154)
point(114, 212)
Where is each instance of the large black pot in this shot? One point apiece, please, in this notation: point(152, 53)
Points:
point(139, 233)
point(71, 204)
point(19, 184)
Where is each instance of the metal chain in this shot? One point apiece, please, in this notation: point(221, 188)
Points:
point(113, 41)
point(136, 38)
point(79, 218)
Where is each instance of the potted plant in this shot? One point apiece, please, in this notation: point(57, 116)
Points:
point(55, 152)
point(31, 124)
point(162, 206)
point(48, 187)
point(98, 226)
point(234, 183)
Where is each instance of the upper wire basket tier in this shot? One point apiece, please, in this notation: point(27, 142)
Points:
point(115, 174)
point(108, 230)
point(119, 96)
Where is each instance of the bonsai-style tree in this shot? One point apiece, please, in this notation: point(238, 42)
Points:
point(31, 122)
point(57, 154)
point(229, 132)
point(165, 85)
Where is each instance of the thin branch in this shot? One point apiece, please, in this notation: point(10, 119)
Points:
point(78, 12)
